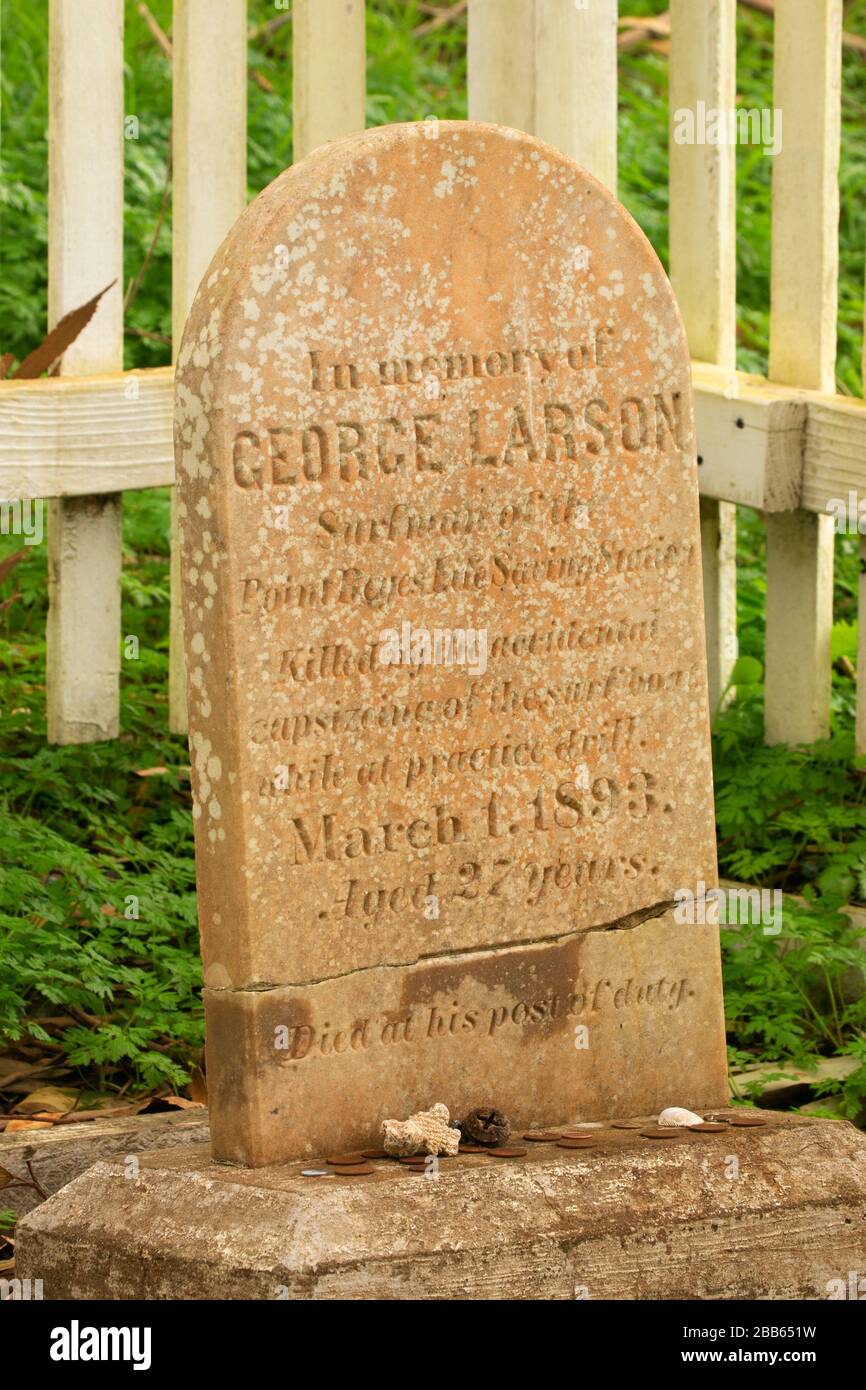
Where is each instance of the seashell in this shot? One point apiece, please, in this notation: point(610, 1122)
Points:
point(426, 1132)
point(676, 1115)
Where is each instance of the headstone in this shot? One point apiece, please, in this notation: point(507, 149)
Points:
point(444, 630)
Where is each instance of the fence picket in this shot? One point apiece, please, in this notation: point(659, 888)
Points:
point(501, 70)
point(85, 252)
point(799, 609)
point(523, 59)
point(703, 273)
point(209, 149)
point(578, 115)
point(329, 72)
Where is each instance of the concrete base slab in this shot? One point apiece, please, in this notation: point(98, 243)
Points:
point(766, 1212)
point(56, 1156)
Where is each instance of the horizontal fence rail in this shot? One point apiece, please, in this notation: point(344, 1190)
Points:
point(774, 448)
point(787, 445)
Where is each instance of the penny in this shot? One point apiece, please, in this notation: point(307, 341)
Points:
point(744, 1121)
point(576, 1144)
point(473, 1149)
point(353, 1170)
point(626, 1124)
point(578, 1134)
point(504, 1152)
point(377, 1153)
point(543, 1136)
point(664, 1132)
point(315, 1173)
point(341, 1160)
point(706, 1127)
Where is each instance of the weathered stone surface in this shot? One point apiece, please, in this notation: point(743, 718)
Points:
point(629, 1220)
point(601, 1023)
point(63, 1152)
point(436, 382)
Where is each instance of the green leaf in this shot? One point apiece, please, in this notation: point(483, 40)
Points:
point(843, 641)
point(747, 671)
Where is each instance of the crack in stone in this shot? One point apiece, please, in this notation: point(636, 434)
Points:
point(629, 922)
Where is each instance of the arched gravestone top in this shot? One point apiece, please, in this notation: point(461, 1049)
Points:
point(443, 621)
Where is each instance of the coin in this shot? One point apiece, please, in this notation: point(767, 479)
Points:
point(376, 1153)
point(578, 1134)
point(473, 1149)
point(705, 1127)
point(626, 1124)
point(353, 1170)
point(343, 1160)
point(315, 1173)
point(576, 1144)
point(746, 1121)
point(517, 1151)
point(663, 1132)
point(543, 1136)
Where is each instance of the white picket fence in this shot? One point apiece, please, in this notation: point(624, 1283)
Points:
point(787, 445)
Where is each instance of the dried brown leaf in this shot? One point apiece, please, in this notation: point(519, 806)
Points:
point(55, 343)
point(8, 564)
point(49, 1098)
point(198, 1086)
point(159, 1104)
point(441, 18)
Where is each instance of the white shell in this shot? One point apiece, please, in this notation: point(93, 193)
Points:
point(676, 1115)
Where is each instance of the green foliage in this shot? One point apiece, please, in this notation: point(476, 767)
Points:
point(785, 995)
point(789, 817)
point(70, 942)
point(792, 819)
point(773, 984)
point(85, 840)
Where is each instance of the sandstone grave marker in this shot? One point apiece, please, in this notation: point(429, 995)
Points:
point(444, 632)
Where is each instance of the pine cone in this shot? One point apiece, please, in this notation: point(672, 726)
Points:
point(486, 1126)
